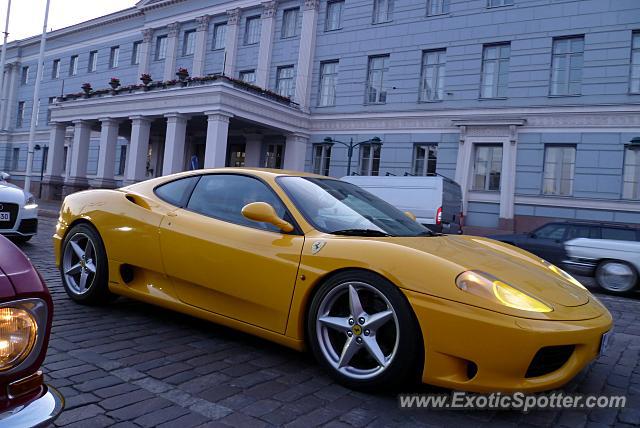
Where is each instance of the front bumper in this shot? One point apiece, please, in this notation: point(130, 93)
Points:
point(39, 412)
point(25, 223)
point(473, 349)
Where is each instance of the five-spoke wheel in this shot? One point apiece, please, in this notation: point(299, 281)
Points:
point(362, 328)
point(84, 266)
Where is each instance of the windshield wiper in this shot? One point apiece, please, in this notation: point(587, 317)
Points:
point(359, 232)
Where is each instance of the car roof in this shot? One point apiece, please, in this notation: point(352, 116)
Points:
point(595, 223)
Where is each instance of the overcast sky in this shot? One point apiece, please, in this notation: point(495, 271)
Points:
point(27, 16)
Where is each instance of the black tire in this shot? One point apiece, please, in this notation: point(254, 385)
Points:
point(97, 291)
point(605, 283)
point(404, 369)
point(20, 239)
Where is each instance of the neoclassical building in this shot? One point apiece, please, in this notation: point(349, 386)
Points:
point(532, 106)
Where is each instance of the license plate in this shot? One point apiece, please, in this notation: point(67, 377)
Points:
point(604, 342)
point(5, 216)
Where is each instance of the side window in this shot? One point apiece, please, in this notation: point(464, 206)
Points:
point(551, 231)
point(177, 192)
point(223, 196)
point(581, 232)
point(618, 234)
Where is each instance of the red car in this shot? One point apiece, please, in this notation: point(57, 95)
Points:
point(26, 312)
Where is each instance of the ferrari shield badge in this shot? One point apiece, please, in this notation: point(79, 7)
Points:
point(317, 246)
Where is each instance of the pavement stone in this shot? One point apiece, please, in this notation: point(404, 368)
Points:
point(129, 364)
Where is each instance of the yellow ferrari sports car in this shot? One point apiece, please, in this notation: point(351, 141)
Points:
point(315, 263)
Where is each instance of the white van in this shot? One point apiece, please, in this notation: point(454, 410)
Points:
point(436, 201)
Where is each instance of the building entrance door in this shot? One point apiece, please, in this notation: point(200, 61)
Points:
point(236, 155)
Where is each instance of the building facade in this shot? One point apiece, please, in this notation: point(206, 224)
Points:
point(532, 106)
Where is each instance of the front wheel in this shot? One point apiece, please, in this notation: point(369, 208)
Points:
point(84, 269)
point(616, 276)
point(362, 329)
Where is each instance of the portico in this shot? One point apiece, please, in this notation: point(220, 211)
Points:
point(171, 130)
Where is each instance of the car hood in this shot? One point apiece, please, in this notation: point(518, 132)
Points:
point(17, 275)
point(511, 265)
point(11, 193)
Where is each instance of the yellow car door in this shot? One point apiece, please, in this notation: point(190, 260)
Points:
point(222, 262)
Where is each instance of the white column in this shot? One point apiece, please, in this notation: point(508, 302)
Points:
point(138, 149)
point(12, 105)
point(508, 180)
point(463, 166)
point(201, 45)
point(107, 154)
point(55, 160)
point(253, 147)
point(145, 51)
point(231, 43)
point(174, 143)
point(306, 53)
point(5, 95)
point(295, 152)
point(79, 155)
point(172, 51)
point(215, 155)
point(266, 42)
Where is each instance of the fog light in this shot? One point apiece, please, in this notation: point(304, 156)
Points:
point(18, 331)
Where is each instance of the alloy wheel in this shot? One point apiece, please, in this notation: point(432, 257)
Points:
point(616, 277)
point(79, 263)
point(358, 330)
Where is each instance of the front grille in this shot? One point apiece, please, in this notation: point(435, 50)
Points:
point(12, 209)
point(28, 226)
point(549, 359)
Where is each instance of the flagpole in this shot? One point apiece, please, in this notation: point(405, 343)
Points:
point(36, 101)
point(3, 56)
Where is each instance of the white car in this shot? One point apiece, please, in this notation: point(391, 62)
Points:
point(614, 264)
point(18, 211)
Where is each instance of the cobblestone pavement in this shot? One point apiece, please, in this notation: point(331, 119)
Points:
point(131, 364)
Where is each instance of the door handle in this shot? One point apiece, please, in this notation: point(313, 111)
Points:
point(172, 214)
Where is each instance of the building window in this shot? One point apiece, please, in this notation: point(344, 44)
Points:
point(487, 167)
point(161, 48)
point(122, 161)
point(425, 159)
point(114, 57)
point(370, 159)
point(64, 158)
point(252, 30)
point(382, 11)
point(559, 167)
point(219, 35)
point(55, 71)
point(631, 177)
point(51, 101)
point(15, 159)
point(333, 19)
point(24, 77)
point(376, 92)
point(433, 73)
point(498, 3)
point(495, 71)
point(273, 156)
point(20, 118)
point(248, 76)
point(566, 66)
point(189, 43)
point(284, 81)
point(93, 61)
point(328, 82)
point(635, 63)
point(321, 158)
point(135, 53)
point(73, 66)
point(290, 22)
point(437, 7)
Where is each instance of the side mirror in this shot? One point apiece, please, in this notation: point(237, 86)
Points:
point(411, 215)
point(4, 176)
point(262, 212)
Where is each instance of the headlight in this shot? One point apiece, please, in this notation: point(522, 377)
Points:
point(489, 287)
point(31, 203)
point(18, 332)
point(555, 269)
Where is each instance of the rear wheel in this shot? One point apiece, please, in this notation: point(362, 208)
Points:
point(84, 267)
point(362, 329)
point(616, 276)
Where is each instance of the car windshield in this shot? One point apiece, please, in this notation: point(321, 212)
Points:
point(341, 208)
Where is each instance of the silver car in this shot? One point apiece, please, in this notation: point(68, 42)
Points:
point(18, 211)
